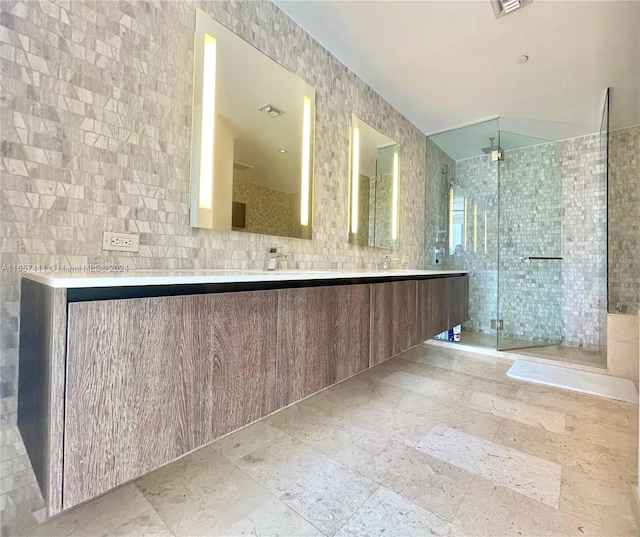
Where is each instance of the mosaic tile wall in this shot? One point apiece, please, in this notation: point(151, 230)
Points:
point(437, 197)
point(95, 115)
point(553, 204)
point(624, 218)
point(477, 180)
point(531, 225)
point(584, 278)
point(383, 209)
point(270, 211)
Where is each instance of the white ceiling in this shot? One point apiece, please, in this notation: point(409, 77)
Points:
point(444, 64)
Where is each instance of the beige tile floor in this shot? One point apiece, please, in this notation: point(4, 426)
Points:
point(433, 442)
point(558, 353)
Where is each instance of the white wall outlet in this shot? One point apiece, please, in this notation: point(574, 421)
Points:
point(120, 242)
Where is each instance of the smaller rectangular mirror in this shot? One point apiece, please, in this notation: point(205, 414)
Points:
point(374, 178)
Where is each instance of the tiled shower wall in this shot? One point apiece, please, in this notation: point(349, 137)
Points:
point(477, 179)
point(553, 203)
point(96, 119)
point(441, 169)
point(624, 218)
point(582, 164)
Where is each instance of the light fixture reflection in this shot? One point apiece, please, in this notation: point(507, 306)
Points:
point(205, 182)
point(485, 232)
point(451, 239)
point(465, 224)
point(475, 228)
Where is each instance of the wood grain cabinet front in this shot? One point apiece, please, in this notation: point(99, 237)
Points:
point(442, 304)
point(323, 338)
point(393, 319)
point(150, 379)
point(143, 381)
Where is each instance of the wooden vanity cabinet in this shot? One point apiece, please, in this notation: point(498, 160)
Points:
point(111, 389)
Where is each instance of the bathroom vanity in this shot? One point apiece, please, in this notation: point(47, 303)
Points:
point(120, 374)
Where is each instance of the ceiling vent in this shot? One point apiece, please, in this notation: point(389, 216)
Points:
point(504, 7)
point(270, 110)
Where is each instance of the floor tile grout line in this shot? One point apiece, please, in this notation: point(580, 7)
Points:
point(466, 492)
point(315, 451)
point(358, 508)
point(166, 524)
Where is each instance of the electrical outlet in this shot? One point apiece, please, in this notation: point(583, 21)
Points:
point(120, 242)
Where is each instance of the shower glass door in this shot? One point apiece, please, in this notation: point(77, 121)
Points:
point(530, 299)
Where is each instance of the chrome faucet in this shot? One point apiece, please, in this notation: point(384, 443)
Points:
point(271, 261)
point(386, 262)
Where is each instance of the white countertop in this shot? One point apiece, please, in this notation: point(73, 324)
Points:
point(71, 280)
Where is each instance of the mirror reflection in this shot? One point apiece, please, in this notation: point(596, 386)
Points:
point(373, 206)
point(252, 141)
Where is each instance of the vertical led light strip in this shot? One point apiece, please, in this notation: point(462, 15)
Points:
point(451, 245)
point(306, 162)
point(205, 181)
point(355, 179)
point(475, 228)
point(465, 224)
point(394, 209)
point(485, 232)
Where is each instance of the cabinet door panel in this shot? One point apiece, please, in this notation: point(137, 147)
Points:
point(442, 304)
point(433, 306)
point(458, 290)
point(244, 363)
point(323, 338)
point(125, 401)
point(151, 379)
point(394, 319)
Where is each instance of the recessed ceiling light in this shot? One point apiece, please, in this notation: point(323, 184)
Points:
point(282, 150)
point(522, 59)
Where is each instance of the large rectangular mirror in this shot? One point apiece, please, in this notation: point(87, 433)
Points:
point(373, 203)
point(252, 139)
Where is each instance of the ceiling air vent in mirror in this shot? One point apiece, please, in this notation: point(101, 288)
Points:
point(503, 7)
point(270, 110)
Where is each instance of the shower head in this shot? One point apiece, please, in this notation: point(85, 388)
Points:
point(449, 188)
point(491, 148)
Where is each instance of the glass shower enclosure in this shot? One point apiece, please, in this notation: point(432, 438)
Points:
point(526, 216)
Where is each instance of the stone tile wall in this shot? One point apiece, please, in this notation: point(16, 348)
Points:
point(96, 119)
point(270, 211)
point(477, 180)
point(441, 169)
point(624, 218)
point(582, 164)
